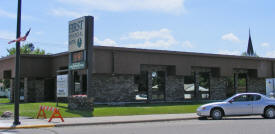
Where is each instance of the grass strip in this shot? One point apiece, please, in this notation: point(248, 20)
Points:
point(31, 109)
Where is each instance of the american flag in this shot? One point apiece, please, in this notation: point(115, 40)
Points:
point(21, 38)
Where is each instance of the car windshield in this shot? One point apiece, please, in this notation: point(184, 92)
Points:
point(230, 98)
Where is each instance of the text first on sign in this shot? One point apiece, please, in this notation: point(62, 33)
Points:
point(77, 35)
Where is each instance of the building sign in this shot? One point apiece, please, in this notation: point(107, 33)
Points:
point(77, 60)
point(77, 57)
point(62, 85)
point(77, 65)
point(270, 85)
point(77, 35)
point(77, 43)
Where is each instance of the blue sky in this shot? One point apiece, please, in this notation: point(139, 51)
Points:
point(206, 26)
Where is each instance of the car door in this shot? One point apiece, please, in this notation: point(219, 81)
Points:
point(258, 105)
point(240, 105)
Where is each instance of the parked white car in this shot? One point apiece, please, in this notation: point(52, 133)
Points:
point(239, 104)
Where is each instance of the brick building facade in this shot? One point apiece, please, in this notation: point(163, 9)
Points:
point(131, 75)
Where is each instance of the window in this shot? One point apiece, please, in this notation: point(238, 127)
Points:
point(158, 85)
point(142, 81)
point(244, 98)
point(189, 87)
point(204, 85)
point(230, 89)
point(257, 97)
point(242, 83)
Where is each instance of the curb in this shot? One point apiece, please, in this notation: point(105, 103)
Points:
point(122, 122)
point(28, 126)
point(94, 123)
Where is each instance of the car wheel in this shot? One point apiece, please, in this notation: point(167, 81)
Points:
point(216, 114)
point(270, 113)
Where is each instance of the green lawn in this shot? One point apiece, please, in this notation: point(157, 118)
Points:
point(31, 109)
point(4, 100)
point(145, 109)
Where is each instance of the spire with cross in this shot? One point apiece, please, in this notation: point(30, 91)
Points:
point(250, 51)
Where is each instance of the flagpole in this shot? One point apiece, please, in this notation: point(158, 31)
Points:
point(17, 68)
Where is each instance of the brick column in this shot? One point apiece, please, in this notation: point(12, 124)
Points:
point(39, 87)
point(235, 82)
point(197, 84)
point(149, 95)
point(25, 89)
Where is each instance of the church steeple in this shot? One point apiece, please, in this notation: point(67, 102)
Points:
point(250, 51)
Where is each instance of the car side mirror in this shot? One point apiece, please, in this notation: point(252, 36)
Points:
point(230, 101)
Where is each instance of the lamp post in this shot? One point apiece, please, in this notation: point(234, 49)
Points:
point(17, 68)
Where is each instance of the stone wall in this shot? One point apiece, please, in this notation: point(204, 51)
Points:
point(218, 88)
point(33, 90)
point(256, 85)
point(121, 88)
point(174, 88)
point(114, 88)
point(39, 86)
point(80, 103)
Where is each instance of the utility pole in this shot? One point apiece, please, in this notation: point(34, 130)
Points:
point(17, 68)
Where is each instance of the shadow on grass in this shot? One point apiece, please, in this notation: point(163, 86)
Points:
point(78, 112)
point(150, 104)
point(81, 113)
point(63, 107)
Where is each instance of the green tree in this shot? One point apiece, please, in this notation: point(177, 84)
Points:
point(27, 49)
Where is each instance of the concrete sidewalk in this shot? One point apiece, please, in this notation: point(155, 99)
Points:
point(38, 123)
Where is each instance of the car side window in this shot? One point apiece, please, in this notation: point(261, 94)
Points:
point(240, 98)
point(257, 97)
point(244, 98)
point(250, 97)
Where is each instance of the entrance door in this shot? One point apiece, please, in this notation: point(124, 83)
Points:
point(158, 86)
point(49, 90)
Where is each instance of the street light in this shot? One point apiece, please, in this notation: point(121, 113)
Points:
point(17, 68)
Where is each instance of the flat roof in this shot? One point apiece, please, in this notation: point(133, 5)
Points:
point(149, 51)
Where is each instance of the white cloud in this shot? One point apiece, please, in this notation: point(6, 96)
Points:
point(148, 35)
point(4, 13)
point(67, 13)
point(265, 44)
point(10, 15)
point(155, 39)
point(152, 44)
point(7, 35)
point(270, 54)
point(151, 39)
point(187, 44)
point(227, 52)
point(171, 6)
point(105, 42)
point(231, 37)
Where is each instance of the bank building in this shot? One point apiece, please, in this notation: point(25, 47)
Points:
point(127, 75)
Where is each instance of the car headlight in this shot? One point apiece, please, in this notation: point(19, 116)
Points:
point(203, 108)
